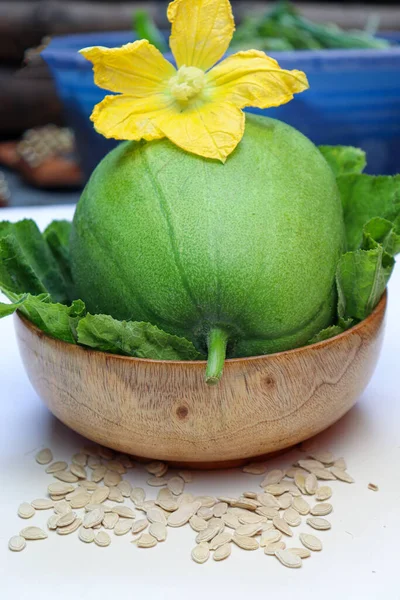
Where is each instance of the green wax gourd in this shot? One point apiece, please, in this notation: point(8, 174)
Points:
point(239, 258)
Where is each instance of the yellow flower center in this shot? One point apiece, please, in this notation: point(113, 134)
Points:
point(187, 83)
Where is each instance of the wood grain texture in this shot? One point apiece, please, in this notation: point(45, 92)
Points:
point(164, 409)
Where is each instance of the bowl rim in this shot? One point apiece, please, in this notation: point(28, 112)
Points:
point(378, 311)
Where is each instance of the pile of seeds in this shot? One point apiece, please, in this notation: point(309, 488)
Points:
point(91, 497)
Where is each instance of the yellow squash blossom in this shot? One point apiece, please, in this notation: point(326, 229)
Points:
point(197, 106)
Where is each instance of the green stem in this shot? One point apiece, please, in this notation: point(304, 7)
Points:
point(217, 339)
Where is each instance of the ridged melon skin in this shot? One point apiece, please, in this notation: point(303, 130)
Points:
point(187, 243)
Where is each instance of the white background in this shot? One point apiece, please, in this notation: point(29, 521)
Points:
point(361, 556)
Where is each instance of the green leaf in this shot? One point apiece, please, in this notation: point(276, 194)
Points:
point(381, 231)
point(57, 236)
point(365, 197)
point(130, 338)
point(361, 279)
point(329, 332)
point(344, 160)
point(26, 263)
point(58, 320)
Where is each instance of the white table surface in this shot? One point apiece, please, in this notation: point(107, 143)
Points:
point(361, 553)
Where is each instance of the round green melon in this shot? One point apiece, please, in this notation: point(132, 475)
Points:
point(237, 257)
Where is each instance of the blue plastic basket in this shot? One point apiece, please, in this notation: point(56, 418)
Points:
point(354, 97)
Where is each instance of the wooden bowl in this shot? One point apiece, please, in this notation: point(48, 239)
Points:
point(164, 409)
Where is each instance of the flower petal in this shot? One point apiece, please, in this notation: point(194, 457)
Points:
point(252, 78)
point(137, 69)
point(201, 31)
point(211, 130)
point(128, 118)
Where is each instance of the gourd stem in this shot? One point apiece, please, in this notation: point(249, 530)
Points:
point(217, 340)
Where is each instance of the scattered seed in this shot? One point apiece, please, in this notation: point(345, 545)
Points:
point(125, 512)
point(311, 484)
point(26, 510)
point(90, 450)
point(323, 456)
point(80, 459)
point(292, 517)
point(112, 478)
point(245, 542)
point(246, 503)
point(323, 493)
point(102, 539)
point(100, 495)
point(184, 499)
point(270, 537)
point(249, 529)
point(268, 500)
point(69, 528)
point(123, 526)
point(274, 547)
point(80, 500)
point(255, 469)
point(205, 513)
point(180, 517)
point(319, 523)
point(289, 559)
point(324, 474)
point(166, 500)
point(291, 472)
point(93, 518)
point(201, 553)
point(115, 494)
point(117, 466)
point(186, 476)
point(311, 542)
point(65, 476)
point(33, 533)
point(322, 509)
point(222, 552)
point(52, 522)
point(154, 467)
point(110, 520)
point(94, 462)
point(57, 466)
point(89, 486)
point(138, 495)
point(342, 475)
point(249, 518)
point(302, 552)
point(125, 488)
point(106, 453)
point(42, 504)
point(209, 501)
point(66, 519)
point(301, 505)
point(60, 489)
point(78, 471)
point(104, 507)
point(310, 464)
point(156, 481)
point(158, 531)
point(285, 500)
point(146, 541)
point(98, 473)
point(176, 485)
point(62, 507)
point(273, 477)
point(220, 509)
point(219, 540)
point(197, 523)
point(156, 515)
point(208, 534)
point(44, 457)
point(276, 489)
point(280, 524)
point(340, 463)
point(86, 535)
point(139, 525)
point(231, 521)
point(17, 542)
point(373, 487)
point(300, 481)
point(251, 495)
